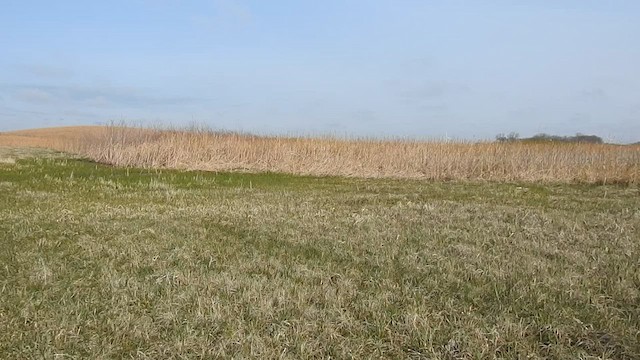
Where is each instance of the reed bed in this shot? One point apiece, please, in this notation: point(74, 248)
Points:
point(201, 149)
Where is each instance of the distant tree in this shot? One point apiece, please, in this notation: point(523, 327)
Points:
point(592, 139)
point(542, 137)
point(511, 137)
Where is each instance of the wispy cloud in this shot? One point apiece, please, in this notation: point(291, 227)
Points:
point(418, 91)
point(594, 94)
point(9, 111)
point(33, 96)
point(224, 14)
point(44, 72)
point(93, 96)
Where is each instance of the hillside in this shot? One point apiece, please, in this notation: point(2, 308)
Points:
point(49, 137)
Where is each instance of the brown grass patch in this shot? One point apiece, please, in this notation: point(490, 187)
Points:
point(57, 138)
point(429, 160)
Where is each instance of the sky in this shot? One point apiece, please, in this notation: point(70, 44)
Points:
point(375, 68)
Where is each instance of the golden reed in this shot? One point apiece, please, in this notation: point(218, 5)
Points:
point(433, 160)
point(204, 149)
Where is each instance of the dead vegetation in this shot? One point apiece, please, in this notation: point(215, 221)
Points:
point(202, 149)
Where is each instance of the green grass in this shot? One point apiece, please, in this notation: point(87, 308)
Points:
point(101, 262)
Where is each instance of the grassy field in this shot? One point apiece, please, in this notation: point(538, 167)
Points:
point(102, 262)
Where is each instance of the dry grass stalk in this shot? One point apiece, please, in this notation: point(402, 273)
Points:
point(433, 160)
point(430, 160)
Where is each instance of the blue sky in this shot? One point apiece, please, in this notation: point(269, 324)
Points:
point(426, 69)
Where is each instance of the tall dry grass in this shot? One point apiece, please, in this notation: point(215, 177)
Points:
point(57, 138)
point(434, 160)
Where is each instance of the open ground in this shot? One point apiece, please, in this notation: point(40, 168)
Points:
point(130, 262)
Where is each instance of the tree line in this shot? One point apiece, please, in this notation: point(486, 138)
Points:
point(578, 138)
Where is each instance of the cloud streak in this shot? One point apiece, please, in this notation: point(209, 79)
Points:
point(94, 96)
point(44, 72)
point(33, 96)
point(419, 91)
point(224, 14)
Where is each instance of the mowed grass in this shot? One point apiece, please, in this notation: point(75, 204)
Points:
point(100, 262)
